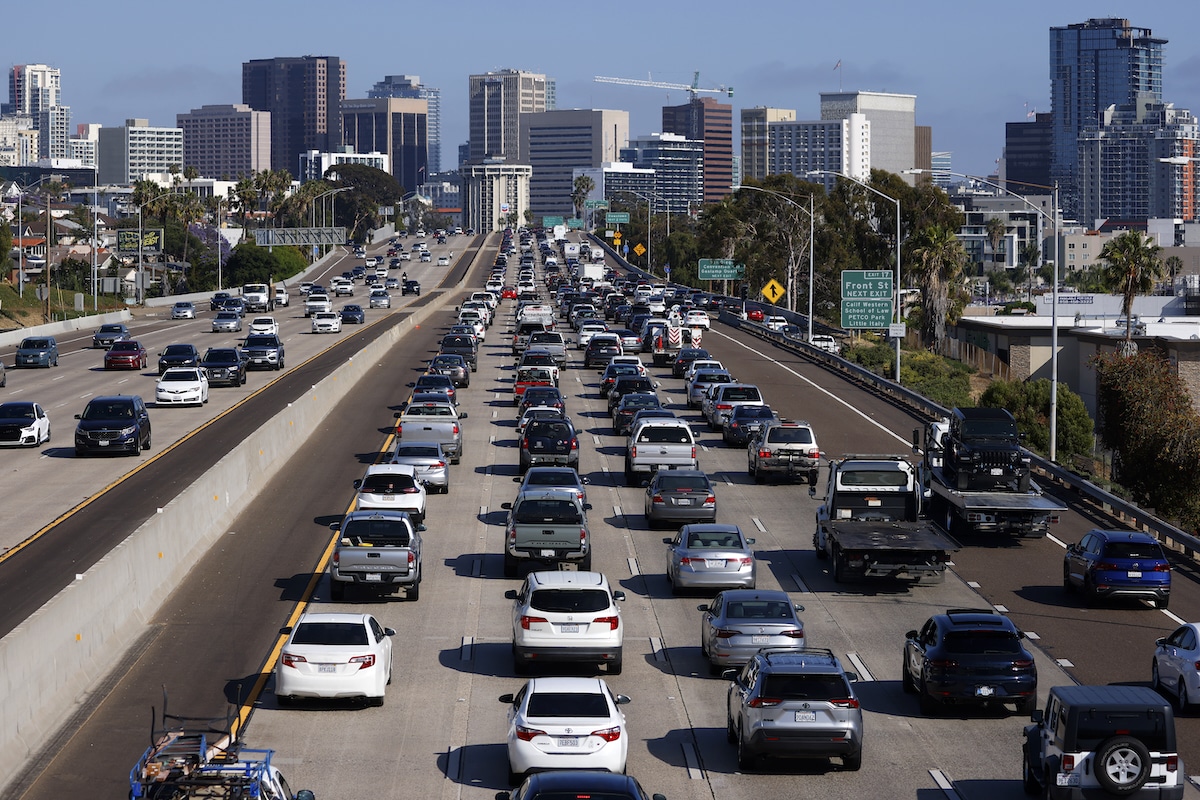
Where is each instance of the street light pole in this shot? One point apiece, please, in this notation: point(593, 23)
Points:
point(811, 228)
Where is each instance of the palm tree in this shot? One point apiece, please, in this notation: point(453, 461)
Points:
point(937, 259)
point(246, 194)
point(1029, 258)
point(1132, 268)
point(583, 186)
point(996, 231)
point(1174, 267)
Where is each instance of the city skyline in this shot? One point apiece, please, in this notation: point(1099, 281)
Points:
point(937, 51)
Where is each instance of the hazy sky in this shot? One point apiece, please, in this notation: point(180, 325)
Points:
point(972, 65)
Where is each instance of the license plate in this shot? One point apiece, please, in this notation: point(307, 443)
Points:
point(714, 563)
point(570, 628)
point(326, 669)
point(104, 443)
point(548, 554)
point(567, 741)
point(997, 471)
point(985, 691)
point(1133, 574)
point(683, 501)
point(373, 577)
point(806, 716)
point(260, 360)
point(760, 639)
point(1067, 779)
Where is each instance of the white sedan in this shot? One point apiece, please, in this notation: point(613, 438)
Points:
point(1174, 669)
point(327, 322)
point(264, 325)
point(332, 655)
point(23, 423)
point(697, 319)
point(181, 386)
point(565, 723)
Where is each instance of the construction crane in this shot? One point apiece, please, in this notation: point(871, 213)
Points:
point(692, 90)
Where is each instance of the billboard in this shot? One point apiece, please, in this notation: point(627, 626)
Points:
point(127, 240)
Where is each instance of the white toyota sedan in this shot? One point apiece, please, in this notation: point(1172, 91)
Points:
point(326, 322)
point(181, 386)
point(264, 325)
point(697, 319)
point(565, 723)
point(335, 655)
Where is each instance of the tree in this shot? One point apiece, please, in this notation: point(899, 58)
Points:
point(245, 196)
point(1030, 252)
point(583, 186)
point(1174, 266)
point(938, 258)
point(1132, 268)
point(1029, 403)
point(995, 230)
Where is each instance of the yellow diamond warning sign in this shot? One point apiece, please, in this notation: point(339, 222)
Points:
point(640, 249)
point(772, 291)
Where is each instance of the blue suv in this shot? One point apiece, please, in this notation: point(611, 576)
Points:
point(1118, 564)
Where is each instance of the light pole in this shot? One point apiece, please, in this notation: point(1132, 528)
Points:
point(313, 208)
point(649, 238)
point(141, 242)
point(812, 224)
point(20, 232)
point(896, 293)
point(95, 229)
point(1053, 291)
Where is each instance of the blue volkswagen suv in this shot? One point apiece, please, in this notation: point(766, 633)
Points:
point(1118, 564)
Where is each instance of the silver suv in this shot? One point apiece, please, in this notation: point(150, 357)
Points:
point(1093, 741)
point(784, 448)
point(796, 703)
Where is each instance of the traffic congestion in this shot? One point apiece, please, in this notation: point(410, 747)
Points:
point(495, 566)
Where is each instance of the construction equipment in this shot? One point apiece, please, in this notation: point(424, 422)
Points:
point(692, 90)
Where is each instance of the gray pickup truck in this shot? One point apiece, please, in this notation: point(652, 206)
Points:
point(552, 342)
point(431, 421)
point(659, 443)
point(546, 526)
point(378, 550)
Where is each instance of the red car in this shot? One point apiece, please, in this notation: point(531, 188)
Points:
point(125, 355)
point(508, 293)
point(755, 315)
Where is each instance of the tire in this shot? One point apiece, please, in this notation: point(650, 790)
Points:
point(1122, 765)
point(929, 706)
point(414, 592)
point(616, 665)
point(1023, 483)
point(337, 591)
point(1028, 782)
point(510, 566)
point(1026, 707)
point(585, 564)
point(1162, 602)
point(515, 778)
point(746, 760)
point(1091, 596)
point(1181, 698)
point(852, 762)
point(758, 476)
point(146, 446)
point(1067, 587)
point(839, 567)
point(715, 669)
point(731, 735)
point(906, 681)
point(1155, 679)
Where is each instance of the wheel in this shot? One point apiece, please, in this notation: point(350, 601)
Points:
point(47, 433)
point(745, 758)
point(817, 548)
point(731, 735)
point(1162, 602)
point(906, 681)
point(929, 706)
point(839, 567)
point(585, 564)
point(1155, 679)
point(146, 446)
point(853, 761)
point(520, 666)
point(1067, 587)
point(1181, 698)
point(1028, 782)
point(1122, 765)
point(1026, 707)
point(510, 566)
point(1091, 596)
point(285, 701)
point(414, 591)
point(749, 469)
point(616, 665)
point(758, 476)
point(337, 591)
point(1023, 483)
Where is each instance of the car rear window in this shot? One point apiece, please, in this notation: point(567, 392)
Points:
point(793, 436)
point(569, 600)
point(567, 704)
point(428, 411)
point(694, 483)
point(665, 434)
point(872, 477)
point(713, 377)
point(1139, 550)
point(458, 341)
point(805, 687)
point(713, 541)
point(756, 412)
point(980, 643)
point(758, 609)
point(742, 394)
point(377, 532)
point(424, 450)
point(389, 484)
point(553, 512)
point(347, 633)
point(1149, 725)
point(550, 429)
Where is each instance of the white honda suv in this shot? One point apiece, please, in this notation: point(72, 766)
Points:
point(566, 616)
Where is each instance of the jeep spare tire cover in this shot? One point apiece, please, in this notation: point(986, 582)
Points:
point(1122, 765)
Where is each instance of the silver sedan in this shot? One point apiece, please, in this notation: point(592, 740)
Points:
point(708, 556)
point(740, 622)
point(431, 465)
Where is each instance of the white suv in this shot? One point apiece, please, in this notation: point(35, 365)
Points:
point(566, 616)
point(392, 487)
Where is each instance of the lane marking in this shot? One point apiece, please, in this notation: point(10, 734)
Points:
point(1030, 635)
point(465, 650)
point(657, 649)
point(801, 586)
point(973, 584)
point(758, 524)
point(1000, 608)
point(633, 567)
point(595, 440)
point(728, 480)
point(1062, 662)
point(860, 666)
point(944, 783)
point(1056, 540)
point(617, 511)
point(820, 389)
point(693, 762)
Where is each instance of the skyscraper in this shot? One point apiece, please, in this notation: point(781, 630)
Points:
point(304, 96)
point(226, 141)
point(409, 87)
point(707, 120)
point(893, 125)
point(1094, 65)
point(556, 143)
point(35, 90)
point(497, 102)
point(754, 138)
point(395, 126)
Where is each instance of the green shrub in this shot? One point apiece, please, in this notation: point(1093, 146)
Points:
point(945, 382)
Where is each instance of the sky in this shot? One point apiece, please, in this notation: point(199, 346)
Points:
point(972, 65)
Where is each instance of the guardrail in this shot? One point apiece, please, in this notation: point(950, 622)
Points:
point(1177, 539)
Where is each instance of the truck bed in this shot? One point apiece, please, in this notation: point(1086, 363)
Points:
point(1034, 500)
point(881, 536)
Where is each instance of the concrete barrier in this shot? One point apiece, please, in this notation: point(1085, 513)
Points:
point(75, 639)
point(8, 338)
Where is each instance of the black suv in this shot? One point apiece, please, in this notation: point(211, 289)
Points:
point(794, 702)
point(549, 442)
point(1094, 741)
point(983, 451)
point(685, 358)
point(114, 424)
point(969, 656)
point(224, 365)
point(599, 351)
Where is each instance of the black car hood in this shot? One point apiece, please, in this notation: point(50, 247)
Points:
point(105, 424)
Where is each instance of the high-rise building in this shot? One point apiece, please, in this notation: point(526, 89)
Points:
point(82, 146)
point(493, 194)
point(18, 140)
point(394, 126)
point(304, 95)
point(678, 164)
point(226, 141)
point(613, 178)
point(314, 164)
point(409, 87)
point(1027, 149)
point(755, 163)
point(893, 125)
point(940, 164)
point(1094, 65)
point(134, 150)
point(33, 88)
point(556, 143)
point(497, 101)
point(54, 131)
point(707, 120)
point(832, 146)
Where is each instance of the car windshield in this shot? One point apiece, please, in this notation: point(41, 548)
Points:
point(377, 532)
point(665, 434)
point(791, 436)
point(172, 376)
point(220, 356)
point(683, 483)
point(805, 687)
point(101, 410)
point(547, 511)
point(111, 329)
point(567, 704)
point(178, 350)
point(335, 633)
point(713, 541)
point(389, 484)
point(758, 609)
point(978, 643)
point(35, 344)
point(447, 362)
point(569, 600)
point(17, 411)
point(121, 347)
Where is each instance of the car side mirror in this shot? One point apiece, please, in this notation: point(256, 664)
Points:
point(585, 481)
point(751, 541)
point(506, 698)
point(511, 594)
point(587, 506)
point(518, 479)
point(410, 385)
point(668, 540)
point(702, 607)
point(618, 595)
point(910, 635)
point(421, 527)
point(389, 632)
point(852, 676)
point(358, 483)
point(286, 630)
point(798, 607)
point(1160, 642)
point(623, 699)
point(506, 506)
point(333, 526)
point(463, 415)
point(79, 416)
point(645, 483)
point(1037, 716)
point(730, 674)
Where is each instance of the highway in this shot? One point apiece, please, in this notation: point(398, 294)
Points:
point(441, 731)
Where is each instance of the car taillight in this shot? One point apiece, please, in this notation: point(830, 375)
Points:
point(437, 464)
point(1172, 763)
point(456, 429)
point(524, 444)
point(583, 536)
point(1162, 568)
point(526, 621)
point(710, 500)
point(613, 622)
point(1022, 664)
point(1068, 763)
point(633, 453)
point(724, 406)
point(291, 660)
point(844, 702)
point(814, 453)
point(1108, 565)
point(793, 633)
point(657, 499)
point(608, 734)
point(745, 562)
point(574, 444)
point(764, 702)
point(364, 662)
point(725, 633)
point(412, 560)
point(733, 424)
point(942, 663)
point(527, 734)
point(399, 427)
point(764, 453)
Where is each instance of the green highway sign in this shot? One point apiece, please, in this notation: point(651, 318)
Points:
point(574, 223)
point(550, 222)
point(601, 204)
point(866, 284)
point(720, 269)
point(616, 216)
point(866, 313)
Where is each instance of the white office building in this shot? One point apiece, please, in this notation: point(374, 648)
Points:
point(837, 145)
point(494, 194)
point(136, 149)
point(893, 125)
